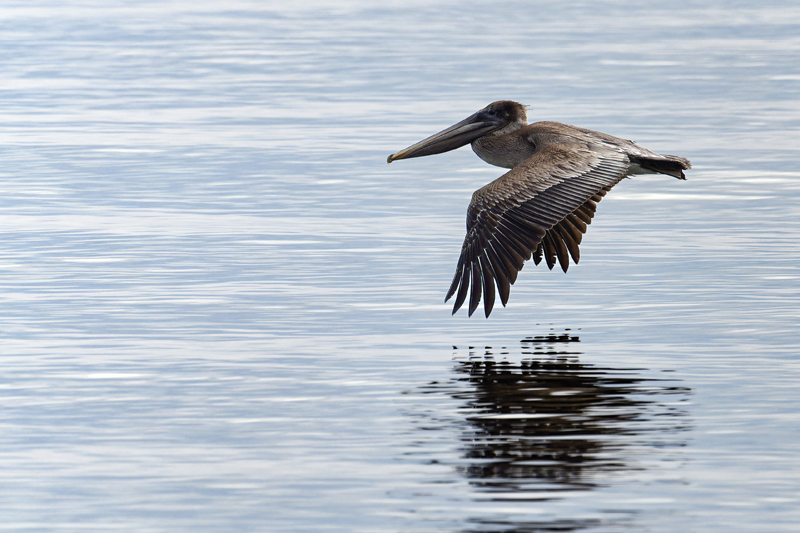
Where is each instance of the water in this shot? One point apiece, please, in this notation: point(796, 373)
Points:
point(222, 310)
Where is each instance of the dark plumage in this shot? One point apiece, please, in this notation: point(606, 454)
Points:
point(543, 205)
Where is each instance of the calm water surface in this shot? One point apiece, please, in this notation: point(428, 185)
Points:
point(222, 310)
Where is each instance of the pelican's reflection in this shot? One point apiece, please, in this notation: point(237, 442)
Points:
point(551, 423)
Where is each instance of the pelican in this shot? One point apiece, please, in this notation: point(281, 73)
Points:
point(542, 206)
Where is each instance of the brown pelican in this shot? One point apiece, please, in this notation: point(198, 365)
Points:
point(543, 204)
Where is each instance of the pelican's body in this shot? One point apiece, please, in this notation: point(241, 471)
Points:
point(541, 207)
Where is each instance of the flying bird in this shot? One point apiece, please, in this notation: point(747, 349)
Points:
point(543, 205)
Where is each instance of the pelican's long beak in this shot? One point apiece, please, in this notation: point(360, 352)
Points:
point(453, 137)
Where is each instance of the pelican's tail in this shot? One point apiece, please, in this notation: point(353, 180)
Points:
point(671, 165)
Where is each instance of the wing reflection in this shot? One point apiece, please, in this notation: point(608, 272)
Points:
point(548, 424)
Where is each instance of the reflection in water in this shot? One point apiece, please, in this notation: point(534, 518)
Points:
point(533, 527)
point(534, 430)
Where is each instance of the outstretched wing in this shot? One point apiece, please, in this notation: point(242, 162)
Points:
point(541, 208)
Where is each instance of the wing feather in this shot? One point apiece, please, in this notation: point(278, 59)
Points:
point(577, 223)
point(566, 238)
point(462, 290)
point(475, 293)
point(539, 209)
point(508, 261)
point(488, 277)
point(549, 251)
point(500, 275)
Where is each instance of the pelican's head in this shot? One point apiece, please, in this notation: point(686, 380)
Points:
point(501, 116)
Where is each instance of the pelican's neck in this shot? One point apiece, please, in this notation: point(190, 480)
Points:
point(506, 147)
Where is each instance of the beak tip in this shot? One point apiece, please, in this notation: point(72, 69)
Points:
point(389, 159)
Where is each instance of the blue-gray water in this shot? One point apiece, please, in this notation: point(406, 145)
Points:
point(222, 311)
